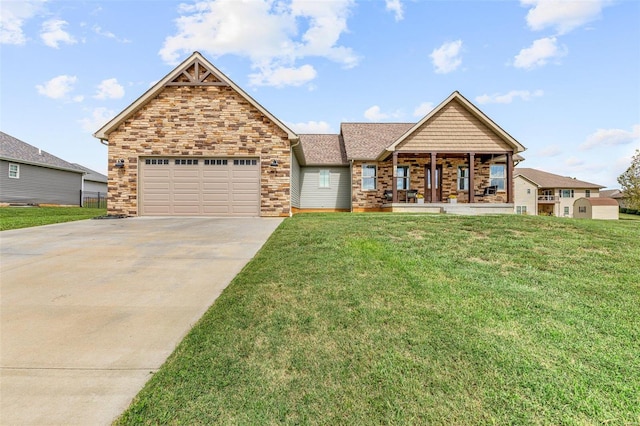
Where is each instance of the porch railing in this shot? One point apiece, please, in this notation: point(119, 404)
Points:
point(547, 198)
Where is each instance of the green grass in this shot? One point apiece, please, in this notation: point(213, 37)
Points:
point(25, 217)
point(625, 216)
point(402, 319)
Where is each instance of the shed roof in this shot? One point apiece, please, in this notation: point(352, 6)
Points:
point(321, 149)
point(600, 201)
point(366, 141)
point(549, 180)
point(611, 193)
point(13, 149)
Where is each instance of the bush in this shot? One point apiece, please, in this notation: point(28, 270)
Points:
point(623, 209)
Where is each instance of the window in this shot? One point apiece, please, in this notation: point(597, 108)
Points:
point(521, 210)
point(402, 174)
point(156, 161)
point(582, 209)
point(14, 171)
point(215, 162)
point(187, 161)
point(566, 211)
point(245, 162)
point(566, 193)
point(325, 179)
point(497, 176)
point(463, 178)
point(369, 176)
point(528, 191)
point(587, 194)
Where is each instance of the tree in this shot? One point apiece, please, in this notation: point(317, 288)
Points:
point(630, 182)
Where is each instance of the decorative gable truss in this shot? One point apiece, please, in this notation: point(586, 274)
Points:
point(197, 74)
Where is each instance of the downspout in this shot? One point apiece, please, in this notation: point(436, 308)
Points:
point(291, 154)
point(351, 185)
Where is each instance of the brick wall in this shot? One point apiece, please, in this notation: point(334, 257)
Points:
point(199, 121)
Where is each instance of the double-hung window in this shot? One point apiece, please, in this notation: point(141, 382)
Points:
point(497, 176)
point(402, 176)
point(587, 194)
point(463, 178)
point(14, 171)
point(566, 193)
point(324, 179)
point(369, 177)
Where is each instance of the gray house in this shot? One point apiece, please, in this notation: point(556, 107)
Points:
point(92, 180)
point(29, 175)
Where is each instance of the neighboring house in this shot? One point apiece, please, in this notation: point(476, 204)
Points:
point(542, 193)
point(616, 194)
point(93, 181)
point(29, 175)
point(596, 208)
point(196, 144)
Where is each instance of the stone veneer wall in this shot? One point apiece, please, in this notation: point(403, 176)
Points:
point(199, 121)
point(373, 200)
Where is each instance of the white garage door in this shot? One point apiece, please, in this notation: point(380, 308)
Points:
point(199, 187)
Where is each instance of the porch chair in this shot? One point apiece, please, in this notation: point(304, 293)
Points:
point(388, 195)
point(489, 190)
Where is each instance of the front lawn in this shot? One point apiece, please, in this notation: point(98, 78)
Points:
point(626, 216)
point(403, 319)
point(25, 217)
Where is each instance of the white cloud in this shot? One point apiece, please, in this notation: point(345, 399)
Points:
point(374, 114)
point(507, 98)
point(540, 52)
point(58, 87)
point(611, 137)
point(283, 76)
point(395, 6)
point(266, 32)
point(53, 33)
point(550, 151)
point(574, 161)
point(563, 15)
point(423, 109)
point(108, 34)
point(99, 118)
point(13, 16)
point(109, 89)
point(311, 127)
point(446, 57)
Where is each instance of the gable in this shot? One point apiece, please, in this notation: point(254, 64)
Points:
point(454, 128)
point(194, 71)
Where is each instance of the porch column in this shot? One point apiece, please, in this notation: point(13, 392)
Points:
point(433, 177)
point(509, 183)
point(394, 178)
point(472, 164)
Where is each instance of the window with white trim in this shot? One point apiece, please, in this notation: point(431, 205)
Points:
point(497, 176)
point(521, 209)
point(14, 171)
point(566, 211)
point(324, 179)
point(369, 177)
point(402, 177)
point(587, 194)
point(463, 178)
point(566, 193)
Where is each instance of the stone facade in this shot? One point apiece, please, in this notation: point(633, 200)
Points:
point(371, 200)
point(199, 120)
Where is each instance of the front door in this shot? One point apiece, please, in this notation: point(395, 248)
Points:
point(427, 174)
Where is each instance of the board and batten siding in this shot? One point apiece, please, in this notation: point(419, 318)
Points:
point(337, 196)
point(39, 185)
point(295, 182)
point(454, 128)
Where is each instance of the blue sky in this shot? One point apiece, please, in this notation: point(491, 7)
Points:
point(562, 77)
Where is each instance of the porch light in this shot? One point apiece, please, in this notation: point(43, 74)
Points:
point(120, 163)
point(274, 163)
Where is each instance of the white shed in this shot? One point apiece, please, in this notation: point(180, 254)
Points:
point(596, 208)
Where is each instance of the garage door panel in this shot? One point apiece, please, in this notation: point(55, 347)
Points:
point(221, 188)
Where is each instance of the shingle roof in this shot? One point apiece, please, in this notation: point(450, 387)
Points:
point(21, 152)
point(321, 150)
point(611, 193)
point(366, 141)
point(602, 201)
point(92, 175)
point(550, 180)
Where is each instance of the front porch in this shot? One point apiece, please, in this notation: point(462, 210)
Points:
point(450, 208)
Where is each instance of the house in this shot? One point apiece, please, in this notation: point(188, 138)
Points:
point(196, 144)
point(596, 208)
point(616, 194)
point(541, 193)
point(29, 175)
point(93, 181)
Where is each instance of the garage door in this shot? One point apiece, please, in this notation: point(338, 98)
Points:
point(199, 187)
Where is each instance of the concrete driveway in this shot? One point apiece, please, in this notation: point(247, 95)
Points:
point(91, 309)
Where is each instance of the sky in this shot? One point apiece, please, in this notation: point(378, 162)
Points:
point(562, 77)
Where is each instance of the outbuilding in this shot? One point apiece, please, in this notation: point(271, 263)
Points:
point(596, 208)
